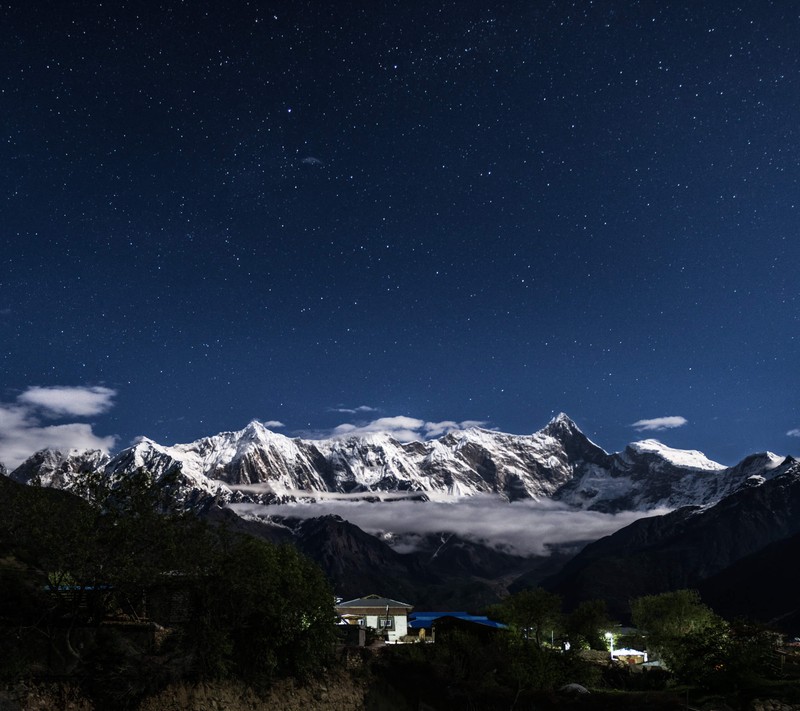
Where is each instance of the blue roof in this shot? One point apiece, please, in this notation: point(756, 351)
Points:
point(418, 620)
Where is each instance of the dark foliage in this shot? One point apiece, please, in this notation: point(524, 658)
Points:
point(465, 671)
point(123, 595)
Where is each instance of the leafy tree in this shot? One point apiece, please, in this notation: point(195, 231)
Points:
point(720, 655)
point(534, 612)
point(671, 615)
point(693, 641)
point(587, 624)
point(261, 613)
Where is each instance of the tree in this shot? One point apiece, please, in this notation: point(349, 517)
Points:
point(692, 640)
point(671, 614)
point(698, 646)
point(262, 612)
point(588, 623)
point(534, 612)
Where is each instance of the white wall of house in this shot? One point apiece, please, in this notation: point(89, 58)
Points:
point(398, 628)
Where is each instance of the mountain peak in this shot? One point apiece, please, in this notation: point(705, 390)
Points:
point(561, 426)
point(254, 428)
point(563, 418)
point(575, 443)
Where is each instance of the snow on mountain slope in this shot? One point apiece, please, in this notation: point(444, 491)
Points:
point(56, 469)
point(257, 465)
point(688, 458)
point(650, 475)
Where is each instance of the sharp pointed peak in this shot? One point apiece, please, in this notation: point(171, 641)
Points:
point(263, 427)
point(562, 418)
point(561, 424)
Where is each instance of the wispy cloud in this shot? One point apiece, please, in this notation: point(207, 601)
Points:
point(362, 409)
point(527, 527)
point(22, 432)
point(660, 423)
point(69, 401)
point(403, 428)
point(273, 424)
point(794, 433)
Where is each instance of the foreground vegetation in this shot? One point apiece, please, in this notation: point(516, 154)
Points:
point(122, 596)
point(508, 671)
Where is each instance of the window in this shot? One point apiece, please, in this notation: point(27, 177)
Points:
point(386, 623)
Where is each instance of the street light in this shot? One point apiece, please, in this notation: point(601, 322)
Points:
point(610, 638)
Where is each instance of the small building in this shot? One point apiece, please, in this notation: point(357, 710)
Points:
point(425, 624)
point(629, 656)
point(383, 614)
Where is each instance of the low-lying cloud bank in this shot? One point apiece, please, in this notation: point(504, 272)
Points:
point(523, 527)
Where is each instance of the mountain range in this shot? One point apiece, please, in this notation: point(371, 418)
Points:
point(558, 462)
point(718, 516)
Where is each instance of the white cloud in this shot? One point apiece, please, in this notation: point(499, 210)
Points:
point(660, 423)
point(527, 527)
point(69, 401)
point(794, 433)
point(437, 429)
point(12, 417)
point(273, 424)
point(17, 445)
point(22, 433)
point(404, 429)
point(353, 410)
point(400, 427)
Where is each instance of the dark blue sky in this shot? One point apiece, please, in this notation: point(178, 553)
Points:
point(213, 212)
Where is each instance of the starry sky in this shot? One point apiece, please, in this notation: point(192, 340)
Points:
point(323, 215)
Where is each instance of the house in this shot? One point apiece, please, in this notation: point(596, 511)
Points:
point(383, 614)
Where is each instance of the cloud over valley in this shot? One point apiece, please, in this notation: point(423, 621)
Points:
point(524, 527)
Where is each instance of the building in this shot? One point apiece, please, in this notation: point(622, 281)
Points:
point(383, 614)
point(629, 656)
point(424, 623)
point(433, 625)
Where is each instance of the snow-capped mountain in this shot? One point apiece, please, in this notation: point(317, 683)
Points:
point(558, 462)
point(649, 475)
point(57, 469)
point(686, 546)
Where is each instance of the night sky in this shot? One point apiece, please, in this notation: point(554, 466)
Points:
point(319, 214)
